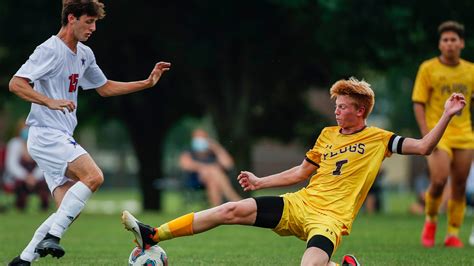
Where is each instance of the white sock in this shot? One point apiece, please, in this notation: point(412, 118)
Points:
point(28, 253)
point(73, 202)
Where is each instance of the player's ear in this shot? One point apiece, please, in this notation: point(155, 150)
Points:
point(71, 18)
point(361, 111)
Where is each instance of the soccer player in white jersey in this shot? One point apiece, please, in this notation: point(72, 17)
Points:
point(57, 68)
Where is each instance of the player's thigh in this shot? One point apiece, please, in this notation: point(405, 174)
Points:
point(60, 191)
point(461, 165)
point(323, 232)
point(83, 167)
point(439, 164)
point(293, 217)
point(269, 210)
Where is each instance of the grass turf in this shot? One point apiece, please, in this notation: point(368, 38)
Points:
point(99, 239)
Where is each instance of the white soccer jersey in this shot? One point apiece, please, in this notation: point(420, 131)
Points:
point(57, 72)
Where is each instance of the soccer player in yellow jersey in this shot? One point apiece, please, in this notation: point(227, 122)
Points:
point(342, 165)
point(436, 80)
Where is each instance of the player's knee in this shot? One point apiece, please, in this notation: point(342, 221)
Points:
point(228, 211)
point(438, 184)
point(458, 189)
point(94, 181)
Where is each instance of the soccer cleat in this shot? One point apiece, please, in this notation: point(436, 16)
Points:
point(428, 234)
point(17, 261)
point(349, 260)
point(50, 245)
point(453, 242)
point(143, 233)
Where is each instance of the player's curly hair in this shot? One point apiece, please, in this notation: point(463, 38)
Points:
point(360, 91)
point(92, 8)
point(453, 26)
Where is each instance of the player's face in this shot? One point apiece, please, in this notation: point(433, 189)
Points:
point(347, 115)
point(84, 27)
point(450, 44)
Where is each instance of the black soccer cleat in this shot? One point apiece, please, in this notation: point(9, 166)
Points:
point(50, 245)
point(143, 233)
point(17, 261)
point(349, 260)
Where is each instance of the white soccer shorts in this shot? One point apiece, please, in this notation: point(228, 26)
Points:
point(52, 150)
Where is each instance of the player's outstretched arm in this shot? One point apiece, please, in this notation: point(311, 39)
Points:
point(425, 146)
point(114, 88)
point(248, 181)
point(22, 88)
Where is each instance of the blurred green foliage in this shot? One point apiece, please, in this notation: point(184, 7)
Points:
point(246, 64)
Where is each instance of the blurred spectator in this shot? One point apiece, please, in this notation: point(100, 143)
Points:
point(421, 183)
point(374, 200)
point(208, 163)
point(3, 186)
point(22, 173)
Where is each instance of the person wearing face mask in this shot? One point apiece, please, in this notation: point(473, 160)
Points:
point(23, 172)
point(208, 162)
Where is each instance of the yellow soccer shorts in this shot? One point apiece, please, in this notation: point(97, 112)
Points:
point(302, 221)
point(450, 142)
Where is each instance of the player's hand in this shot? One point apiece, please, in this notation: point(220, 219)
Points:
point(455, 104)
point(157, 72)
point(247, 180)
point(61, 105)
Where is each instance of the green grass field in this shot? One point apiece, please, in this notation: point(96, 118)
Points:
point(99, 239)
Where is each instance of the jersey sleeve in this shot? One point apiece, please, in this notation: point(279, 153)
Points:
point(421, 88)
point(93, 76)
point(393, 143)
point(42, 64)
point(313, 156)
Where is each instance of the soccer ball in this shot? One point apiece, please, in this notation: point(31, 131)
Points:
point(154, 256)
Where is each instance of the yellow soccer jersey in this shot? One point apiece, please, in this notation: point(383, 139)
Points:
point(434, 83)
point(348, 165)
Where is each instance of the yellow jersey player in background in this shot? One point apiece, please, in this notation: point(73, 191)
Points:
point(436, 80)
point(342, 165)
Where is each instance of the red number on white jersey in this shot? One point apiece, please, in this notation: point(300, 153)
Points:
point(73, 82)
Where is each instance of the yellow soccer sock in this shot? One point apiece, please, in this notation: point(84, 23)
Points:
point(432, 207)
point(181, 226)
point(456, 210)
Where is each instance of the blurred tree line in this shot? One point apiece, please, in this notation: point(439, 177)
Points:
point(246, 64)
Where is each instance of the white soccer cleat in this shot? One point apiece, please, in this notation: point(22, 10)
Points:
point(143, 233)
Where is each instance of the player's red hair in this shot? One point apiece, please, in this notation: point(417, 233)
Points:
point(360, 91)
